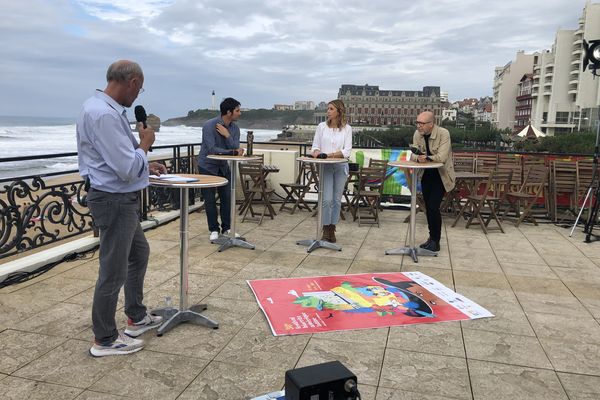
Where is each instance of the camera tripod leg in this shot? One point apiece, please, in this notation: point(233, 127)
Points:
point(581, 211)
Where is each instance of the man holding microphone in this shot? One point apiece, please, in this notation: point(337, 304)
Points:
point(117, 168)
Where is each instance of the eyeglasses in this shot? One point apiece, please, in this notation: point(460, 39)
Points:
point(423, 123)
point(142, 90)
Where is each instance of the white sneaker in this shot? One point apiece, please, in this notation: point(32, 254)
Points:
point(228, 233)
point(122, 345)
point(214, 236)
point(135, 329)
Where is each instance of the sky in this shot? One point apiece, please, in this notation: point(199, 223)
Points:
point(54, 53)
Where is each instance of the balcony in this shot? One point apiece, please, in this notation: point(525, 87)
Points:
point(576, 62)
point(577, 52)
point(574, 72)
point(572, 91)
point(578, 42)
point(548, 93)
point(549, 74)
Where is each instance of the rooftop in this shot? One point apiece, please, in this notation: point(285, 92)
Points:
point(543, 343)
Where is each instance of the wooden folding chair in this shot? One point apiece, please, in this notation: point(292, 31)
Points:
point(368, 192)
point(488, 201)
point(585, 170)
point(257, 190)
point(527, 195)
point(296, 191)
point(564, 182)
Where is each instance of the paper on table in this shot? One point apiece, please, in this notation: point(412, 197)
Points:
point(173, 178)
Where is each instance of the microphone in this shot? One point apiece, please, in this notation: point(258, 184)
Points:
point(140, 115)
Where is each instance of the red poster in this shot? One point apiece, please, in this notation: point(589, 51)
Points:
point(296, 306)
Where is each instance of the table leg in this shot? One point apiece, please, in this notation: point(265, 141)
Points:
point(232, 241)
point(412, 250)
point(173, 317)
point(314, 244)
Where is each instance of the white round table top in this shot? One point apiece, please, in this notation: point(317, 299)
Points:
point(203, 181)
point(322, 160)
point(414, 164)
point(232, 158)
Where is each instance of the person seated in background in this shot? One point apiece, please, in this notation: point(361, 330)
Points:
point(333, 139)
point(220, 136)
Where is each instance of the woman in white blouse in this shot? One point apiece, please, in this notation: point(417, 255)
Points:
point(334, 138)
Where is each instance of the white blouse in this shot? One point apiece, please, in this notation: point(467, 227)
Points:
point(329, 140)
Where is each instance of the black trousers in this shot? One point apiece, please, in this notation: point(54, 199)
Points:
point(433, 193)
point(210, 204)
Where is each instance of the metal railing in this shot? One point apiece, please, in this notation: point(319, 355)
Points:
point(40, 209)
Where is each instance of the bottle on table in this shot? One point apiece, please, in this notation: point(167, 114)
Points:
point(250, 140)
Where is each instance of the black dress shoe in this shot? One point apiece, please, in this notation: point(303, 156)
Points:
point(426, 244)
point(433, 246)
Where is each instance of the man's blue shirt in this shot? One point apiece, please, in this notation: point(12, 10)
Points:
point(214, 143)
point(108, 153)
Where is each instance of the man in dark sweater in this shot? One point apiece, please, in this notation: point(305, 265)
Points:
point(220, 135)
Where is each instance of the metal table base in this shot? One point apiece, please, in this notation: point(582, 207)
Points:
point(174, 317)
point(412, 250)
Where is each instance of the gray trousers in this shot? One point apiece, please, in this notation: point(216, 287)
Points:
point(124, 253)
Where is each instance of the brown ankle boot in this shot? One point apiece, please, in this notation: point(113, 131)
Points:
point(332, 238)
point(325, 235)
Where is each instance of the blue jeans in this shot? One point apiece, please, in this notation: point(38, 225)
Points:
point(334, 180)
point(210, 204)
point(124, 254)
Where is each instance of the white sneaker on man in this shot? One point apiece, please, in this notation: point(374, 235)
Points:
point(228, 233)
point(122, 345)
point(214, 235)
point(135, 329)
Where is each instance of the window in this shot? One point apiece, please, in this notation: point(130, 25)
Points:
point(562, 117)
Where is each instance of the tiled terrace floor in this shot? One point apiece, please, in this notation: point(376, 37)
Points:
point(544, 342)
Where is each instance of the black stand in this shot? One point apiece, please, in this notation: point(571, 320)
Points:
point(589, 226)
point(594, 192)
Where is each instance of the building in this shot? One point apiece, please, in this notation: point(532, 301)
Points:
point(524, 103)
point(506, 86)
point(282, 107)
point(549, 89)
point(304, 105)
point(367, 104)
point(449, 115)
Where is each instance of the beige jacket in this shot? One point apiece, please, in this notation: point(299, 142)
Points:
point(441, 151)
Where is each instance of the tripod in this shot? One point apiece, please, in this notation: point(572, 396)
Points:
point(595, 187)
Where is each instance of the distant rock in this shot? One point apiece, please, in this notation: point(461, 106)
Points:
point(154, 122)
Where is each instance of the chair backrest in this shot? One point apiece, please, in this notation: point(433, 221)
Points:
point(486, 162)
point(371, 178)
point(464, 162)
point(252, 172)
point(310, 174)
point(260, 160)
point(382, 165)
point(585, 170)
point(564, 176)
point(501, 182)
point(535, 179)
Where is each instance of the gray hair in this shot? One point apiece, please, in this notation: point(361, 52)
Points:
point(123, 70)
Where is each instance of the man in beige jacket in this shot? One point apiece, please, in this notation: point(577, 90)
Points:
point(434, 145)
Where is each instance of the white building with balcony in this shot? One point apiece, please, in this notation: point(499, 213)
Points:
point(506, 87)
point(565, 98)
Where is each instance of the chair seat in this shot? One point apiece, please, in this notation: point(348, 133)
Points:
point(521, 195)
point(293, 185)
point(369, 193)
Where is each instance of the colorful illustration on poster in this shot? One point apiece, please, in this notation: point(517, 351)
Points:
point(319, 304)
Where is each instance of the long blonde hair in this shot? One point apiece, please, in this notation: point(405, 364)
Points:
point(341, 119)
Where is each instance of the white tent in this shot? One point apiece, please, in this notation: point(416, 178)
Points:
point(530, 132)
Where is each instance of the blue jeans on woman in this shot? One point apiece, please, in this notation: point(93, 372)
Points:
point(334, 180)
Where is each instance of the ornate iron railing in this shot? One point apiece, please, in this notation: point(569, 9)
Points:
point(40, 209)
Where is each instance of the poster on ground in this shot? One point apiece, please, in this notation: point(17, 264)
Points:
point(295, 306)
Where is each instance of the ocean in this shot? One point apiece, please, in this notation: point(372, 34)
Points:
point(26, 136)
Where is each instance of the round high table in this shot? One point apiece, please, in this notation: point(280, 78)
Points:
point(232, 240)
point(173, 316)
point(316, 243)
point(412, 249)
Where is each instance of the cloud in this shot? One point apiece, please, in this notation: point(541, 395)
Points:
point(55, 53)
